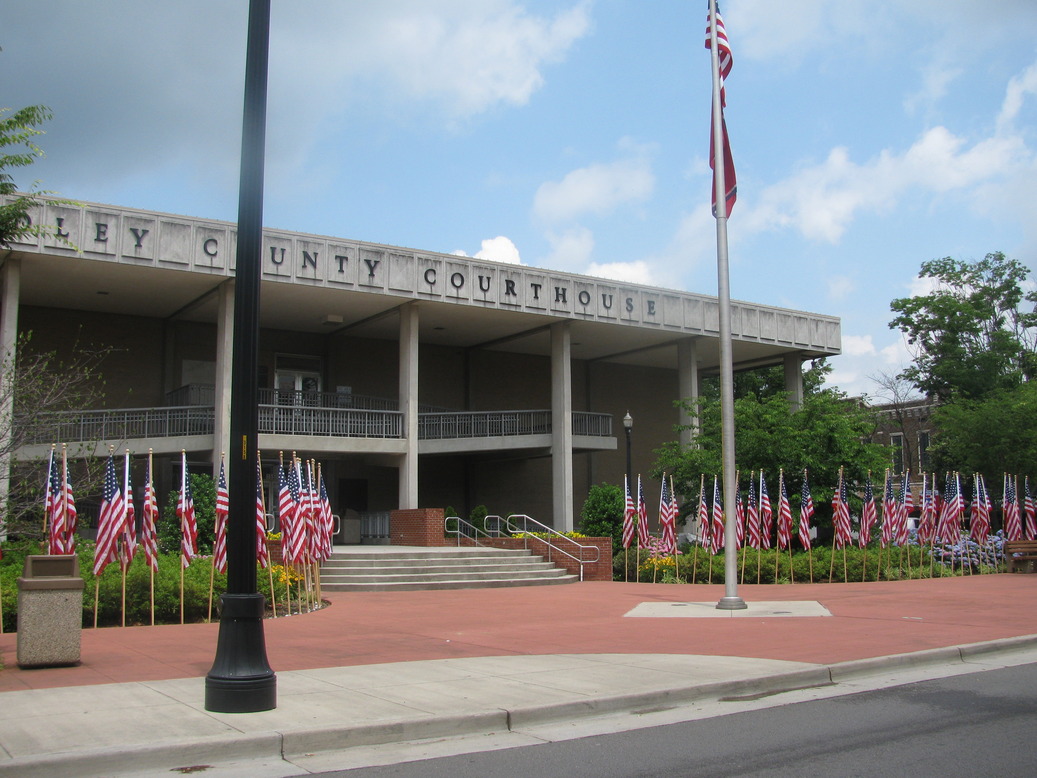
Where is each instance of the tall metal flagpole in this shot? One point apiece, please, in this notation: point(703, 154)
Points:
point(241, 680)
point(730, 600)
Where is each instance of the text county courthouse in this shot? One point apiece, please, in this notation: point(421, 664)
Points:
point(418, 380)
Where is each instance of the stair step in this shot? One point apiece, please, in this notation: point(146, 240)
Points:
point(412, 569)
point(418, 586)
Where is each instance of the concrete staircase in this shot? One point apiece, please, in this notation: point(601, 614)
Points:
point(408, 568)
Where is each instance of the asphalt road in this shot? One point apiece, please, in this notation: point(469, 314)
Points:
point(977, 724)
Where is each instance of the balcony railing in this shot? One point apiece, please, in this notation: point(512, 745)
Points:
point(330, 422)
point(123, 424)
point(135, 423)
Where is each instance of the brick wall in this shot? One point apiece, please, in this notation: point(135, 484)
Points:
point(592, 571)
point(417, 527)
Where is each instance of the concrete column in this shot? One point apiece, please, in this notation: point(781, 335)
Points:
point(10, 289)
point(794, 380)
point(224, 355)
point(409, 405)
point(688, 384)
point(561, 427)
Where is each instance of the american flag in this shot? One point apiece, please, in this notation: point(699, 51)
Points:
point(1010, 509)
point(716, 532)
point(629, 511)
point(841, 513)
point(128, 541)
point(286, 510)
point(889, 513)
point(868, 514)
point(298, 539)
point(667, 519)
point(262, 555)
point(111, 520)
point(904, 507)
point(1030, 511)
point(725, 63)
point(643, 537)
point(739, 516)
point(949, 528)
point(185, 513)
point(752, 516)
point(219, 545)
point(806, 512)
point(704, 528)
point(71, 516)
point(313, 515)
point(980, 524)
point(784, 514)
point(927, 521)
point(766, 514)
point(327, 518)
point(53, 505)
point(149, 516)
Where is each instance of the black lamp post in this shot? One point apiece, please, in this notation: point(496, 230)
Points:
point(240, 680)
point(628, 424)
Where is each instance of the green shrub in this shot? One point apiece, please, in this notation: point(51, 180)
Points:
point(602, 514)
point(203, 492)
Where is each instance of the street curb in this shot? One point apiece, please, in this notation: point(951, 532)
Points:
point(164, 755)
point(636, 702)
point(290, 744)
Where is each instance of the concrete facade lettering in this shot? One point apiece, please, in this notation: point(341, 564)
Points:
point(137, 237)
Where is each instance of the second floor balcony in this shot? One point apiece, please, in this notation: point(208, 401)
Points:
point(312, 414)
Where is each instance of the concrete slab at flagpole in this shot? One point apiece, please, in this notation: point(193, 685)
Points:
point(709, 610)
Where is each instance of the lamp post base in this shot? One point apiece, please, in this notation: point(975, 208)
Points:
point(241, 680)
point(731, 604)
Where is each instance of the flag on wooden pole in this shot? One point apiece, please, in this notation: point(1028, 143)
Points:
point(806, 513)
point(629, 511)
point(185, 513)
point(643, 537)
point(868, 514)
point(111, 519)
point(149, 520)
point(667, 519)
point(219, 546)
point(784, 514)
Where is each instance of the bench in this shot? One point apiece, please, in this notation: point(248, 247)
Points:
point(1027, 555)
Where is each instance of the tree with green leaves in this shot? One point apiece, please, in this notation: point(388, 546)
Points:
point(828, 431)
point(602, 513)
point(18, 149)
point(974, 333)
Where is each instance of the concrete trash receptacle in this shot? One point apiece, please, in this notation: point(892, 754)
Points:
point(50, 611)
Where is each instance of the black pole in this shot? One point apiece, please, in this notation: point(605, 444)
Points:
point(241, 680)
point(629, 474)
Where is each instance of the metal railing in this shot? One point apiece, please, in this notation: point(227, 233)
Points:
point(331, 422)
point(520, 523)
point(462, 528)
point(482, 424)
point(592, 424)
point(123, 424)
point(286, 419)
point(374, 525)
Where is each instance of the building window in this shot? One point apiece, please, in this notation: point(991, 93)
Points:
point(923, 450)
point(896, 440)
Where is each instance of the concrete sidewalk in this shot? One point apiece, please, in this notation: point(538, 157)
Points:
point(397, 667)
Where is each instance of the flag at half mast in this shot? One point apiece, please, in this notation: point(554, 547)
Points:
point(720, 72)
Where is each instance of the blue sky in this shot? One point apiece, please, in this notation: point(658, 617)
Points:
point(868, 136)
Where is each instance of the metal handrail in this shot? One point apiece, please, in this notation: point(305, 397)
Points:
point(526, 520)
point(475, 531)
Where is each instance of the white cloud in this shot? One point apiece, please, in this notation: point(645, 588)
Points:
point(858, 345)
point(499, 249)
point(821, 201)
point(570, 249)
point(639, 272)
point(594, 190)
point(1018, 88)
point(840, 287)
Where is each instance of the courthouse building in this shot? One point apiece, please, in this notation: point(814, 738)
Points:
point(417, 379)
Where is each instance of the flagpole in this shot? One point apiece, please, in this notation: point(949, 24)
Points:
point(730, 600)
